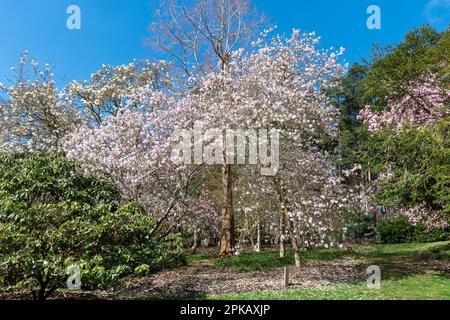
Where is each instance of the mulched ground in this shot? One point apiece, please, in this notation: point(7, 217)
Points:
point(200, 280)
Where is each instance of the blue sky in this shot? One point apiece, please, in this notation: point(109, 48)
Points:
point(113, 31)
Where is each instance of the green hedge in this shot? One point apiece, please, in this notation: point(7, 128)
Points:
point(401, 231)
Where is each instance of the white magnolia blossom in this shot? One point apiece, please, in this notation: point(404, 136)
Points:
point(34, 116)
point(277, 85)
point(109, 89)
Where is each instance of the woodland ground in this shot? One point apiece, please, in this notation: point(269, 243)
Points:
point(408, 271)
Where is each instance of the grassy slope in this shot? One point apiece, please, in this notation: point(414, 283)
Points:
point(398, 282)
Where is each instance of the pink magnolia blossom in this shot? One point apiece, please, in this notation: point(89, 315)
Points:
point(423, 104)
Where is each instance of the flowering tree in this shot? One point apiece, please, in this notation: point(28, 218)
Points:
point(200, 36)
point(257, 211)
point(130, 153)
point(276, 86)
point(414, 169)
point(424, 103)
point(312, 199)
point(108, 90)
point(406, 90)
point(202, 221)
point(35, 116)
point(421, 215)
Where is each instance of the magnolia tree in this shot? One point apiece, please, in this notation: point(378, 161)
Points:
point(256, 210)
point(202, 222)
point(200, 37)
point(413, 124)
point(276, 86)
point(108, 90)
point(130, 151)
point(313, 199)
point(422, 104)
point(35, 116)
point(421, 215)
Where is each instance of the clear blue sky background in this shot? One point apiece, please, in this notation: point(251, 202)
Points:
point(113, 31)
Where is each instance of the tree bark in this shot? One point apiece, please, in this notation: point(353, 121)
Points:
point(294, 241)
point(282, 237)
point(227, 241)
point(248, 231)
point(257, 246)
point(194, 240)
point(290, 226)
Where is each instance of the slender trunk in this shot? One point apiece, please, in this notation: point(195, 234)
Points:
point(249, 231)
point(227, 229)
point(195, 240)
point(39, 295)
point(288, 221)
point(294, 240)
point(282, 237)
point(258, 238)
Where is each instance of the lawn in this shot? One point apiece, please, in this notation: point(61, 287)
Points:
point(408, 272)
point(416, 287)
point(265, 260)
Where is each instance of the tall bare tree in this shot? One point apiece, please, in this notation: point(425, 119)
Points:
point(200, 35)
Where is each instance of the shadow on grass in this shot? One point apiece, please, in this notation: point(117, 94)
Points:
point(261, 261)
point(400, 261)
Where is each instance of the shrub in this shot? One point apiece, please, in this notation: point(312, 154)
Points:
point(396, 231)
point(51, 217)
point(359, 226)
point(421, 234)
point(401, 231)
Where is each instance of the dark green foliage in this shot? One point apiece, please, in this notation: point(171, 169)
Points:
point(424, 51)
point(396, 231)
point(349, 99)
point(359, 226)
point(401, 231)
point(51, 217)
point(421, 234)
point(420, 161)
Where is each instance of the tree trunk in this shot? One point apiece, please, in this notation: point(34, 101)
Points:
point(257, 247)
point(248, 231)
point(194, 240)
point(282, 237)
point(227, 229)
point(294, 241)
point(288, 222)
point(39, 295)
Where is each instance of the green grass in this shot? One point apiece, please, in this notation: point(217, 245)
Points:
point(396, 252)
point(401, 276)
point(397, 260)
point(441, 252)
point(266, 260)
point(270, 259)
point(419, 287)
